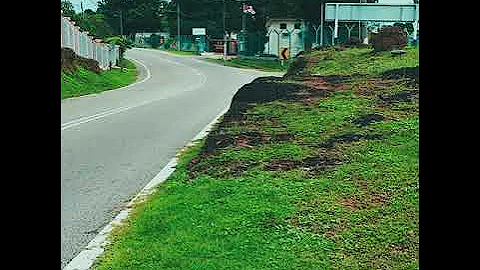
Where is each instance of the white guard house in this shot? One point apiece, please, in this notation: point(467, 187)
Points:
point(144, 38)
point(285, 35)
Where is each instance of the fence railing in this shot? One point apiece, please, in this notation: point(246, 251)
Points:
point(86, 45)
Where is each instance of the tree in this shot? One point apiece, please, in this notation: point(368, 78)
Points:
point(135, 15)
point(67, 8)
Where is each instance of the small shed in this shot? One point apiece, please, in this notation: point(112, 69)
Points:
point(285, 36)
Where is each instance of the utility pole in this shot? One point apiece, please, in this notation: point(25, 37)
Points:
point(244, 31)
point(224, 34)
point(321, 23)
point(121, 23)
point(178, 26)
point(244, 18)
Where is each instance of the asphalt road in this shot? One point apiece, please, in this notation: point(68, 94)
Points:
point(115, 142)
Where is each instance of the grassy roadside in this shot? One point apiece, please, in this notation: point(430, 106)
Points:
point(264, 65)
point(319, 181)
point(84, 82)
point(177, 52)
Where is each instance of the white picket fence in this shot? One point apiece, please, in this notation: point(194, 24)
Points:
point(85, 45)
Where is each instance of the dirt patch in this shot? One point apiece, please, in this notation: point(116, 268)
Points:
point(314, 165)
point(269, 89)
point(297, 68)
point(259, 91)
point(215, 141)
point(350, 137)
point(366, 200)
point(70, 61)
point(281, 165)
point(374, 86)
point(230, 169)
point(249, 139)
point(367, 119)
point(334, 230)
point(319, 164)
point(398, 249)
point(353, 203)
point(406, 72)
point(403, 96)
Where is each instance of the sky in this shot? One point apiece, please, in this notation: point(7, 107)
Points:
point(87, 4)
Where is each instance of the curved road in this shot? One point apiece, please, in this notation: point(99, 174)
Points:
point(115, 142)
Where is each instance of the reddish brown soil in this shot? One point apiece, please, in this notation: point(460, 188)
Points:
point(70, 61)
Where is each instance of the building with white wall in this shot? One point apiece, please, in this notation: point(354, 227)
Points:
point(285, 33)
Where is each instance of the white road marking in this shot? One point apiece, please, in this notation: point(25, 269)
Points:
point(113, 111)
point(85, 259)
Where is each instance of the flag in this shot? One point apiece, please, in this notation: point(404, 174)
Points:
point(248, 9)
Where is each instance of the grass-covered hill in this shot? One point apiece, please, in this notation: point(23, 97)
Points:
point(81, 76)
point(315, 170)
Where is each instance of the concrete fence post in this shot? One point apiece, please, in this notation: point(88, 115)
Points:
point(68, 35)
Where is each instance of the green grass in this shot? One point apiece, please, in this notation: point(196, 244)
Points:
point(85, 82)
point(264, 65)
point(359, 214)
point(174, 51)
point(362, 61)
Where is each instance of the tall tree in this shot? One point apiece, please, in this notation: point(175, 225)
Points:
point(67, 8)
point(135, 15)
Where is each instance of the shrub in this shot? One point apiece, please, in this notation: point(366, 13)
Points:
point(123, 44)
point(154, 40)
point(352, 42)
point(389, 38)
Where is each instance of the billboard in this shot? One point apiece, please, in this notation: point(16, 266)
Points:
point(199, 31)
point(371, 12)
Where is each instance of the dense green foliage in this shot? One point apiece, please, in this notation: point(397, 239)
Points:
point(94, 23)
point(160, 15)
point(122, 42)
point(136, 15)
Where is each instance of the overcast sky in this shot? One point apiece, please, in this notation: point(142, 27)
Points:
point(87, 4)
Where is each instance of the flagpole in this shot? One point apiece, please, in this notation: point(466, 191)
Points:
point(244, 22)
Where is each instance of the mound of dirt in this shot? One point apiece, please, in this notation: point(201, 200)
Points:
point(367, 119)
point(406, 72)
point(262, 90)
point(351, 137)
point(314, 165)
point(216, 140)
point(403, 96)
point(70, 62)
point(297, 68)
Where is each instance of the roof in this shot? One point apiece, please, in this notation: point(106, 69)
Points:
point(290, 19)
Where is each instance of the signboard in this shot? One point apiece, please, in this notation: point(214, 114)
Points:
point(371, 12)
point(199, 31)
point(284, 53)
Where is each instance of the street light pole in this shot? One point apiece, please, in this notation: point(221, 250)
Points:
point(178, 27)
point(121, 24)
point(224, 34)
